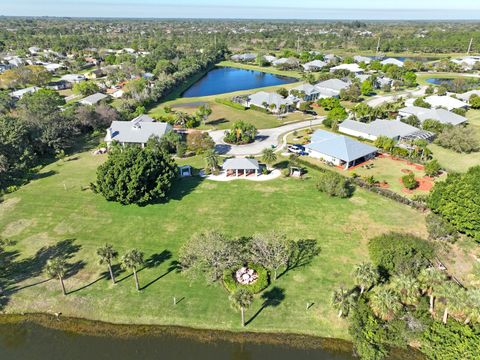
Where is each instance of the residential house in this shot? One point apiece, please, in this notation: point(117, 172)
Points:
point(353, 68)
point(137, 131)
point(466, 96)
point(314, 65)
point(52, 67)
point(241, 167)
point(447, 102)
point(93, 99)
point(393, 129)
point(95, 74)
point(249, 57)
point(59, 85)
point(269, 58)
point(331, 87)
point(19, 93)
point(311, 92)
point(467, 62)
point(73, 78)
point(115, 93)
point(339, 150)
point(392, 61)
point(362, 59)
point(34, 50)
point(331, 58)
point(441, 115)
point(272, 101)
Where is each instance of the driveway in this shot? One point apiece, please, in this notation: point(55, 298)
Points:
point(266, 138)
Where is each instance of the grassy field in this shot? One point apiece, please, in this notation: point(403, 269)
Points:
point(53, 215)
point(266, 69)
point(453, 161)
point(422, 77)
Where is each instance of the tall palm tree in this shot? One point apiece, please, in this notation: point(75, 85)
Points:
point(106, 255)
point(385, 303)
point(132, 260)
point(430, 280)
point(269, 156)
point(472, 308)
point(211, 159)
point(407, 288)
point(342, 301)
point(454, 298)
point(242, 299)
point(57, 267)
point(204, 112)
point(365, 276)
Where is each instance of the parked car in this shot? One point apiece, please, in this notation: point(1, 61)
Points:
point(296, 149)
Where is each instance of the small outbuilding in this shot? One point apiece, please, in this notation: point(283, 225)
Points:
point(241, 167)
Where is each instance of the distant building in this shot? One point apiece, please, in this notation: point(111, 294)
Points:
point(314, 65)
point(353, 68)
point(441, 115)
point(272, 102)
point(93, 99)
point(447, 102)
point(360, 59)
point(73, 78)
point(19, 93)
point(392, 61)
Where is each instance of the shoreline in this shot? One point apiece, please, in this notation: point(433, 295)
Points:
point(86, 327)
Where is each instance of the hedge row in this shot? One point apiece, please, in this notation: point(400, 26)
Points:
point(260, 109)
point(231, 104)
point(375, 189)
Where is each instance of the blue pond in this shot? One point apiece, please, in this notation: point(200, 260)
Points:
point(439, 81)
point(225, 79)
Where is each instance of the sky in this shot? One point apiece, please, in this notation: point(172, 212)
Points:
point(249, 9)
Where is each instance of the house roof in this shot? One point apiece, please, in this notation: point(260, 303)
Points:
point(270, 98)
point(93, 99)
point(441, 115)
point(445, 101)
point(466, 96)
point(365, 59)
point(339, 146)
point(136, 132)
point(392, 61)
point(142, 118)
point(333, 84)
point(306, 88)
point(73, 77)
point(314, 64)
point(355, 68)
point(21, 92)
point(240, 164)
point(389, 128)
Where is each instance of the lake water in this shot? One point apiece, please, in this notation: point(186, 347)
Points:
point(226, 79)
point(28, 341)
point(439, 81)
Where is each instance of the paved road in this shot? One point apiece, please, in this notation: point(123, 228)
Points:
point(382, 99)
point(265, 138)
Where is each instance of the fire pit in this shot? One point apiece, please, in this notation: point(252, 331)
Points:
point(246, 276)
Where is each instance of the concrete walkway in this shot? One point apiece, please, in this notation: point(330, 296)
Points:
point(266, 138)
point(223, 177)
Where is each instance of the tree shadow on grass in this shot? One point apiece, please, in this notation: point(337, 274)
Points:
point(173, 266)
point(217, 122)
point(184, 186)
point(303, 253)
point(271, 298)
point(86, 286)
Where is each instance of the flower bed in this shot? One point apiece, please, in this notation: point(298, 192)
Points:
point(255, 281)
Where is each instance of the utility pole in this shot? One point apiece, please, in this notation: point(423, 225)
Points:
point(378, 46)
point(298, 45)
point(470, 46)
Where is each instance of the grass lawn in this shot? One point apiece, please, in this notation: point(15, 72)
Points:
point(266, 69)
point(422, 77)
point(453, 161)
point(53, 214)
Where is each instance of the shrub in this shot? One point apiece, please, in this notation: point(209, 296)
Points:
point(260, 109)
point(241, 133)
point(433, 125)
point(282, 92)
point(396, 253)
point(409, 181)
point(337, 114)
point(329, 103)
point(432, 168)
point(230, 103)
point(459, 139)
point(335, 184)
point(411, 120)
point(440, 229)
point(232, 285)
point(475, 102)
point(199, 142)
point(422, 103)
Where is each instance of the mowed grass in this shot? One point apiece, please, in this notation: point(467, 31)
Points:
point(54, 209)
point(453, 161)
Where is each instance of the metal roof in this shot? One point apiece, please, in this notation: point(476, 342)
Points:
point(136, 132)
point(241, 164)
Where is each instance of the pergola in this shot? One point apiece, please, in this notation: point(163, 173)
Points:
point(241, 166)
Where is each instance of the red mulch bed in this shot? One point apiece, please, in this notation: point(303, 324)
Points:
point(384, 185)
point(419, 167)
point(425, 184)
point(406, 171)
point(406, 191)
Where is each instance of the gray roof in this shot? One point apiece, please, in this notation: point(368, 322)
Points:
point(270, 98)
point(306, 88)
point(441, 115)
point(136, 132)
point(333, 84)
point(466, 96)
point(339, 146)
point(317, 64)
point(360, 58)
point(93, 99)
point(389, 128)
point(241, 164)
point(142, 118)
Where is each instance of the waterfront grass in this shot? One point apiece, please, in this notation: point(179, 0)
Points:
point(56, 214)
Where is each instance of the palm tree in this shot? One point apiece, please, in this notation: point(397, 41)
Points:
point(342, 301)
point(472, 308)
point(211, 159)
point(106, 255)
point(269, 156)
point(453, 297)
point(57, 267)
point(242, 299)
point(430, 280)
point(272, 107)
point(132, 260)
point(407, 288)
point(385, 303)
point(204, 112)
point(365, 276)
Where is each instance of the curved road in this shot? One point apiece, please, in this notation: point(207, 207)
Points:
point(266, 138)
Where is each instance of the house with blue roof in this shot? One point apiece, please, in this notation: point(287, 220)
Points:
point(339, 150)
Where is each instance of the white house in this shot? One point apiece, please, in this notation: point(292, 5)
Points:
point(93, 99)
point(73, 78)
point(272, 101)
point(331, 87)
point(19, 93)
point(314, 65)
point(364, 59)
point(353, 68)
point(445, 101)
point(441, 115)
point(392, 61)
point(393, 129)
point(339, 150)
point(137, 131)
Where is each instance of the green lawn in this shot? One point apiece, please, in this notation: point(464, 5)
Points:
point(422, 77)
point(53, 212)
point(266, 69)
point(453, 161)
